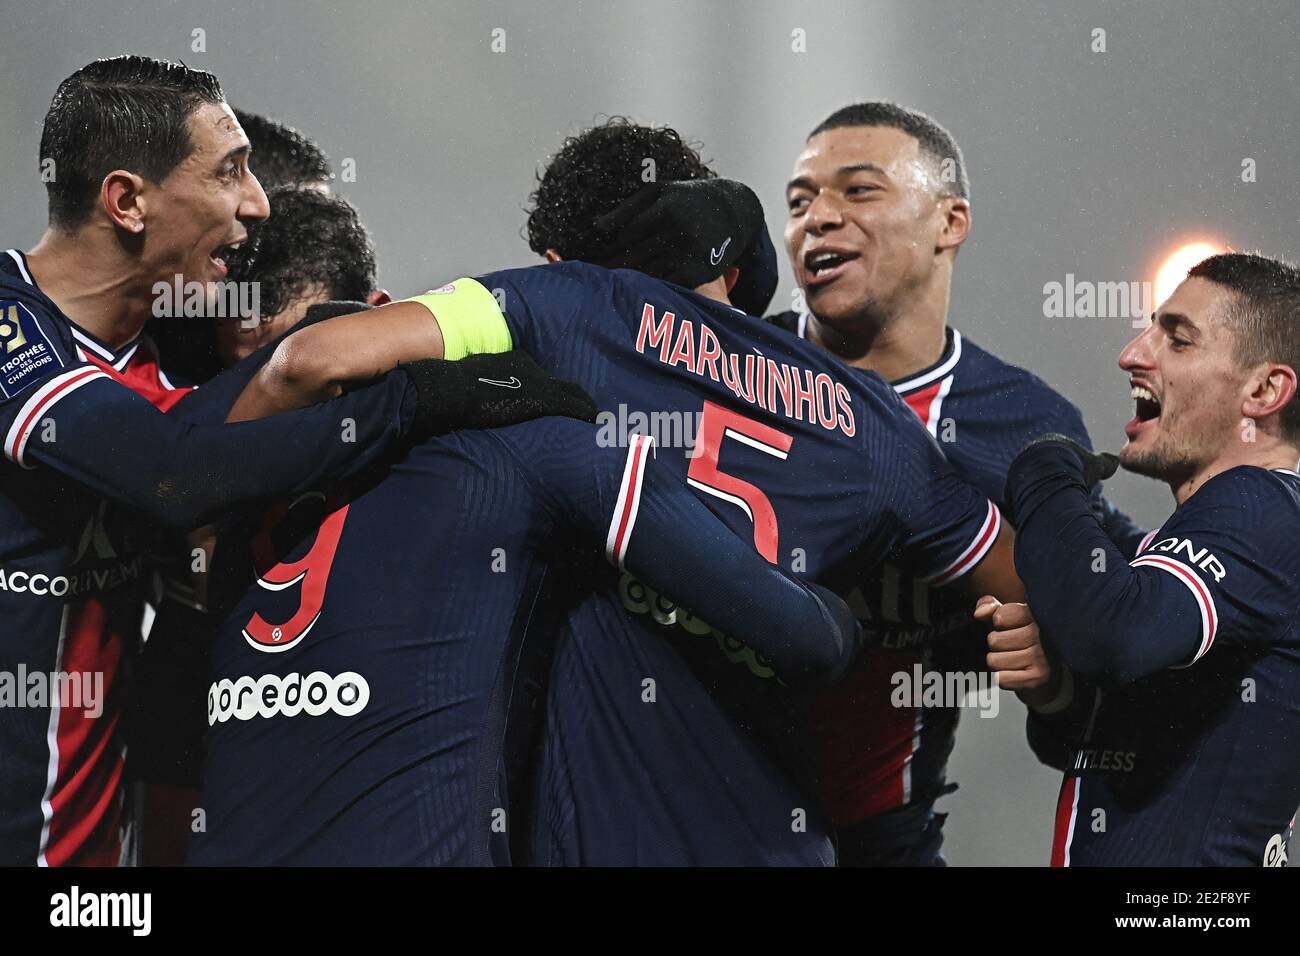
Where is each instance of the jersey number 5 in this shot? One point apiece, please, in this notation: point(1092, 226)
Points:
point(716, 424)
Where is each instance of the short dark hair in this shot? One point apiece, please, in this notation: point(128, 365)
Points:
point(127, 112)
point(594, 172)
point(935, 141)
point(311, 239)
point(1265, 316)
point(282, 156)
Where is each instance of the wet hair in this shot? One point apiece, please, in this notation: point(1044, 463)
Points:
point(127, 112)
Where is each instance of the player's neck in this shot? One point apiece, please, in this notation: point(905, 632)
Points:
point(715, 290)
point(1263, 451)
point(87, 276)
point(896, 349)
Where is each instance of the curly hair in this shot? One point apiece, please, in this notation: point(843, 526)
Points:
point(312, 239)
point(594, 172)
point(282, 156)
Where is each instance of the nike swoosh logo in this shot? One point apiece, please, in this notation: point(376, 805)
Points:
point(715, 255)
point(512, 383)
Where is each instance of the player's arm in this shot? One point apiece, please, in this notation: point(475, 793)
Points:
point(947, 532)
point(1105, 618)
point(650, 524)
point(995, 573)
point(89, 427)
point(682, 550)
point(316, 362)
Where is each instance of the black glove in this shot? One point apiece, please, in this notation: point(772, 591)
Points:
point(753, 291)
point(1043, 459)
point(687, 232)
point(489, 391)
point(1097, 466)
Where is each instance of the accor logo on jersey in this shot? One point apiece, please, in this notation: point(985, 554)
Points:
point(101, 563)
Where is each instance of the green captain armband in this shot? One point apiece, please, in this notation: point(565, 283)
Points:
point(470, 319)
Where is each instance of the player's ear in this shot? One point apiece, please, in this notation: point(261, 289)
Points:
point(1272, 387)
point(956, 222)
point(553, 256)
point(731, 277)
point(379, 297)
point(121, 195)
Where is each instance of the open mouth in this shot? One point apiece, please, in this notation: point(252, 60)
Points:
point(222, 254)
point(1146, 405)
point(824, 266)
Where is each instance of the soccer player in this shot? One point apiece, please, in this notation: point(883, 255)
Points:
point(879, 205)
point(150, 185)
point(1174, 711)
point(667, 741)
point(282, 159)
point(314, 249)
point(361, 686)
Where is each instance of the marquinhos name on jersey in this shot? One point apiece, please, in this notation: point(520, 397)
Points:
point(778, 387)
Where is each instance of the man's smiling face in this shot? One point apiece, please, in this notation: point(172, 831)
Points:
point(206, 203)
point(1186, 385)
point(865, 212)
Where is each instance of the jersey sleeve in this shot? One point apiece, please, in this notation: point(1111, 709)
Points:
point(1209, 575)
point(34, 358)
point(74, 418)
point(649, 523)
point(1224, 549)
point(945, 525)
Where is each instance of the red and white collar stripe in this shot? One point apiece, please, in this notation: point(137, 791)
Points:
point(937, 372)
point(925, 378)
point(118, 360)
point(17, 257)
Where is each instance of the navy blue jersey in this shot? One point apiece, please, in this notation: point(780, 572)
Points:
point(361, 687)
point(1183, 741)
point(82, 424)
point(825, 472)
point(874, 756)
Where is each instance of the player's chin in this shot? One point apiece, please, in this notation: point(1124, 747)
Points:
point(1141, 460)
point(835, 304)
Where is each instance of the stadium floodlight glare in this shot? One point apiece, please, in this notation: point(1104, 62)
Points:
point(1174, 268)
